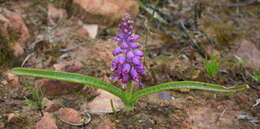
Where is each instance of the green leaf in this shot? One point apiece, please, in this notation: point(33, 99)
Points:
point(185, 84)
point(68, 77)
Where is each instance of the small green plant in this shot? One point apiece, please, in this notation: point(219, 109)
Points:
point(212, 66)
point(127, 67)
point(128, 96)
point(257, 76)
point(35, 102)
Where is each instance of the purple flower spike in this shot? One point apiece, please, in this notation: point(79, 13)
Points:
point(128, 64)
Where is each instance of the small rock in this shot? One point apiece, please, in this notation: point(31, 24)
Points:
point(56, 13)
point(4, 82)
point(184, 90)
point(249, 52)
point(47, 122)
point(102, 103)
point(106, 124)
point(152, 121)
point(12, 25)
point(17, 49)
point(13, 22)
point(13, 79)
point(69, 115)
point(12, 117)
point(51, 105)
point(92, 30)
point(2, 125)
point(103, 12)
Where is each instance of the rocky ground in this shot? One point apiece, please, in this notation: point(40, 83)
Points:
point(76, 36)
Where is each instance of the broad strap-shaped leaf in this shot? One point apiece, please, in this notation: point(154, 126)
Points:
point(185, 84)
point(68, 77)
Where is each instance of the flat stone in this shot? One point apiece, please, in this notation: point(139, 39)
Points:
point(13, 23)
point(102, 103)
point(47, 122)
point(92, 30)
point(69, 115)
point(51, 105)
point(103, 12)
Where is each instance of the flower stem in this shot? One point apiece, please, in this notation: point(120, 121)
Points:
point(128, 96)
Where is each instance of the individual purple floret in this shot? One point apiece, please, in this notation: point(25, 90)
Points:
point(128, 62)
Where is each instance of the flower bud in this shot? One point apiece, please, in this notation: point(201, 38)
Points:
point(126, 68)
point(125, 78)
point(136, 60)
point(124, 45)
point(121, 59)
point(134, 45)
point(130, 55)
point(134, 75)
point(117, 51)
point(133, 38)
point(140, 69)
point(139, 53)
